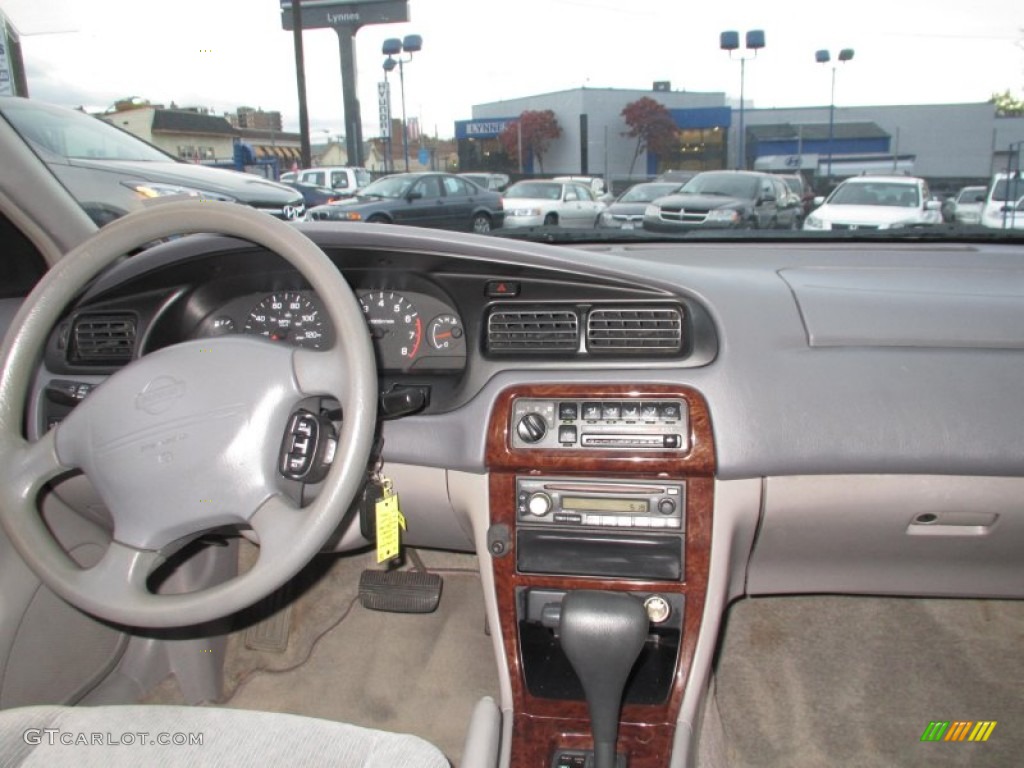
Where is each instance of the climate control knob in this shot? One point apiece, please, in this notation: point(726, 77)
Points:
point(532, 428)
point(539, 504)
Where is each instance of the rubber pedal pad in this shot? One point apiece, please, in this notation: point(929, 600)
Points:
point(400, 591)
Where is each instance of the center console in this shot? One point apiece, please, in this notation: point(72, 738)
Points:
point(608, 489)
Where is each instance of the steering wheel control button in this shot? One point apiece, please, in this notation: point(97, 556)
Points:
point(308, 448)
point(66, 392)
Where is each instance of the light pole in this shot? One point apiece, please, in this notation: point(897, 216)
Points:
point(823, 57)
point(730, 41)
point(393, 47)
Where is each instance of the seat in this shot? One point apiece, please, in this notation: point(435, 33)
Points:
point(198, 737)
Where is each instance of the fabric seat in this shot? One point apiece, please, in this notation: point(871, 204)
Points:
point(114, 736)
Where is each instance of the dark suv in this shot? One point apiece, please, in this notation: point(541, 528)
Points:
point(726, 199)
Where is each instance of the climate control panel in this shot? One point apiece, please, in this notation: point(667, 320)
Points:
point(604, 423)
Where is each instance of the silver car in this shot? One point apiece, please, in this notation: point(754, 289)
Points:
point(539, 203)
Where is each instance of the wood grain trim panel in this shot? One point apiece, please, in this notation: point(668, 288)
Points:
point(542, 725)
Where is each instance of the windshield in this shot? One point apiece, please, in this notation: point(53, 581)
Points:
point(882, 193)
point(393, 186)
point(1008, 189)
point(75, 135)
point(726, 184)
point(651, 93)
point(645, 193)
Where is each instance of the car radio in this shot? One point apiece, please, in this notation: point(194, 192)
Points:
point(601, 504)
point(609, 424)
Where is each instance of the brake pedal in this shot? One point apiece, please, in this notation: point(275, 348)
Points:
point(400, 591)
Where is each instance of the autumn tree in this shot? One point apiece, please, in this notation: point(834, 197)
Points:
point(1007, 105)
point(651, 124)
point(538, 129)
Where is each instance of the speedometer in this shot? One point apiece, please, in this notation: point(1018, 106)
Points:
point(289, 316)
point(395, 326)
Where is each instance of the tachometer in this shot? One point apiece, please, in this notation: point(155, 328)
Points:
point(395, 326)
point(288, 316)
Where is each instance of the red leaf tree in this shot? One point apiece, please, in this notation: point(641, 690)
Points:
point(651, 124)
point(539, 129)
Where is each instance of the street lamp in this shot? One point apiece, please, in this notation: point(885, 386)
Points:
point(393, 47)
point(730, 41)
point(822, 57)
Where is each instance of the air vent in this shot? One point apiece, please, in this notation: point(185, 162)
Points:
point(635, 330)
point(103, 339)
point(532, 330)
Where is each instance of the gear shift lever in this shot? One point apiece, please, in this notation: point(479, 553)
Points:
point(602, 635)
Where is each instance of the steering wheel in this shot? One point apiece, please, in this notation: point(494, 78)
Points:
point(188, 438)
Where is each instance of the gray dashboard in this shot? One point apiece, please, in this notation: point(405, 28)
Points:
point(805, 352)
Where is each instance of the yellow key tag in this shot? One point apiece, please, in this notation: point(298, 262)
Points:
point(390, 524)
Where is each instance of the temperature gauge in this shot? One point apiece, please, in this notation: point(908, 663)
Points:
point(445, 332)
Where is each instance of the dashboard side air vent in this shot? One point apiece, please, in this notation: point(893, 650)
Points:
point(532, 330)
point(107, 339)
point(635, 330)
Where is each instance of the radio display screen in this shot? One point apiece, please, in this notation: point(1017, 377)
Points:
point(590, 504)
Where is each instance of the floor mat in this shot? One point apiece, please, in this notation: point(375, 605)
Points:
point(816, 681)
point(414, 673)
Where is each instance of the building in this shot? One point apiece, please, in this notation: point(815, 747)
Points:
point(195, 135)
point(949, 144)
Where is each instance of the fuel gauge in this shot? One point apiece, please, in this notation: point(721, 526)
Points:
point(445, 332)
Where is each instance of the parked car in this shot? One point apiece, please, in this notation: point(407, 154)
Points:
point(342, 179)
point(967, 205)
point(876, 202)
point(627, 212)
point(314, 195)
point(495, 182)
point(725, 199)
point(441, 200)
point(799, 186)
point(596, 184)
point(551, 203)
point(113, 172)
point(1004, 202)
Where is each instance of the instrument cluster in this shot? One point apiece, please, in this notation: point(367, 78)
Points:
point(411, 331)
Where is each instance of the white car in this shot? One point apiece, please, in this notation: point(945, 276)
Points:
point(876, 202)
point(968, 204)
point(343, 180)
point(551, 203)
point(1000, 211)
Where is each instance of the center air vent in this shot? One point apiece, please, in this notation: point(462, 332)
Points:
point(635, 330)
point(103, 339)
point(532, 330)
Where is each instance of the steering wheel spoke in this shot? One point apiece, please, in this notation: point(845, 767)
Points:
point(29, 466)
point(320, 372)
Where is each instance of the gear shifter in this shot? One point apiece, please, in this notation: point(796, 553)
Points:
point(602, 634)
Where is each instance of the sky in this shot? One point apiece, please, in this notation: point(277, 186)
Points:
point(223, 54)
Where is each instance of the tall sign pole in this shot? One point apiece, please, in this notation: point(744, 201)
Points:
point(300, 81)
point(346, 18)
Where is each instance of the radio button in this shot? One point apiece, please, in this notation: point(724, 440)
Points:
point(675, 522)
point(568, 517)
point(666, 506)
point(657, 522)
point(642, 522)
